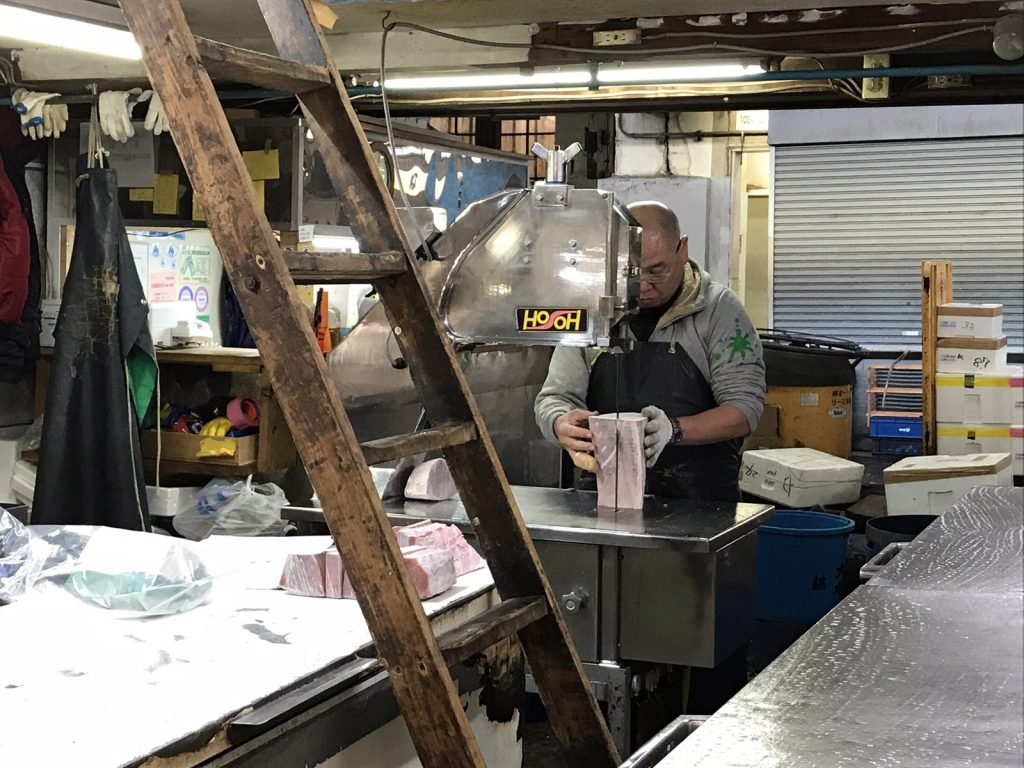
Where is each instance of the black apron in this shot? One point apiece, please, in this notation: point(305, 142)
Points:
point(90, 460)
point(663, 374)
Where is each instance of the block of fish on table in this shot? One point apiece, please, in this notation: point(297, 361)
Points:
point(619, 450)
point(439, 536)
point(431, 481)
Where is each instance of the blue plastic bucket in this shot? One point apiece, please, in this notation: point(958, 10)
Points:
point(799, 565)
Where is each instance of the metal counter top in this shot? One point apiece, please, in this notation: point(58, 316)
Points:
point(572, 516)
point(922, 667)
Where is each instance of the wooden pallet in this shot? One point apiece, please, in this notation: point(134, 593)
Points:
point(180, 66)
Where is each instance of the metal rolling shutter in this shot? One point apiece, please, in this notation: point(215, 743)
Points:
point(852, 222)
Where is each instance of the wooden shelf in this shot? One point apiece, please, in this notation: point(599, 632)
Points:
point(275, 449)
point(169, 467)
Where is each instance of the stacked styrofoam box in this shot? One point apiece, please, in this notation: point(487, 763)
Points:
point(979, 399)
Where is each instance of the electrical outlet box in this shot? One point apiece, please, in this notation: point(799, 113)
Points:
point(606, 37)
point(948, 81)
point(875, 87)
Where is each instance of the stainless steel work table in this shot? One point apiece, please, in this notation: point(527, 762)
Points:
point(573, 517)
point(672, 584)
point(922, 667)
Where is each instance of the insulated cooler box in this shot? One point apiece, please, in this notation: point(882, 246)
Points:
point(980, 398)
point(928, 485)
point(970, 439)
point(971, 355)
point(972, 321)
point(800, 477)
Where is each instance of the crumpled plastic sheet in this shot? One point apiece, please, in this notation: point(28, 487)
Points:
point(234, 508)
point(131, 573)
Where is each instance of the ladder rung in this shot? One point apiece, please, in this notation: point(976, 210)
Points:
point(227, 62)
point(503, 620)
point(310, 267)
point(432, 439)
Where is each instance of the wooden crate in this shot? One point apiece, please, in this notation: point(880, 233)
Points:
point(176, 447)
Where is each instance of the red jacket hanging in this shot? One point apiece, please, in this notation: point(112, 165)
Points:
point(14, 253)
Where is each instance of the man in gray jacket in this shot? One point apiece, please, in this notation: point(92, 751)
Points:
point(696, 372)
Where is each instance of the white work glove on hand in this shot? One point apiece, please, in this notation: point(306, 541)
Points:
point(116, 112)
point(156, 119)
point(39, 119)
point(657, 433)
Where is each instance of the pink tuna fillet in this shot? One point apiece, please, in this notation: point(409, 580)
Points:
point(304, 574)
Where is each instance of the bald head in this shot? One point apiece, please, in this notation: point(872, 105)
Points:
point(658, 217)
point(663, 252)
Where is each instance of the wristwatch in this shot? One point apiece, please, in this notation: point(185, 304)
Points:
point(677, 433)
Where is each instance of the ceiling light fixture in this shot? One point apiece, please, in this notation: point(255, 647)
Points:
point(491, 80)
point(60, 32)
point(688, 73)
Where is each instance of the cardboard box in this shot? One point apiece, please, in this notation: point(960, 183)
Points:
point(972, 321)
point(800, 477)
point(766, 434)
point(815, 417)
point(929, 485)
point(980, 398)
point(176, 446)
point(971, 355)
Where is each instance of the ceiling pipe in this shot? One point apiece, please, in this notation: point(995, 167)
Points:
point(695, 135)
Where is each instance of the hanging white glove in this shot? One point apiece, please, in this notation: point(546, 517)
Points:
point(55, 119)
point(31, 106)
point(156, 118)
point(116, 112)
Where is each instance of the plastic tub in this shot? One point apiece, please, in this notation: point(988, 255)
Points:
point(799, 565)
point(885, 530)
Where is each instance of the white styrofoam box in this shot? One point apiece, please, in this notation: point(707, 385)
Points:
point(23, 482)
point(928, 485)
point(167, 502)
point(800, 477)
point(966, 439)
point(971, 355)
point(48, 315)
point(972, 321)
point(164, 318)
point(980, 398)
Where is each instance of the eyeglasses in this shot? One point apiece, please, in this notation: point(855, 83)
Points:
point(663, 270)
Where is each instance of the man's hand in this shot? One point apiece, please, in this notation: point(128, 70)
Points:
point(572, 433)
point(657, 433)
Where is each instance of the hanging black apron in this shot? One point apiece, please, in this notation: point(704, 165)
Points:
point(90, 462)
point(663, 374)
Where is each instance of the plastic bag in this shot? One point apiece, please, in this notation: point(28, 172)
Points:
point(130, 572)
point(226, 508)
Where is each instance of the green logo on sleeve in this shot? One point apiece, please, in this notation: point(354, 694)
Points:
point(736, 345)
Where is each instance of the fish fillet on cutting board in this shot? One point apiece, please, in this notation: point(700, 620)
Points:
point(619, 450)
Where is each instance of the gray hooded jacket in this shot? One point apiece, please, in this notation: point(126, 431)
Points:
point(714, 330)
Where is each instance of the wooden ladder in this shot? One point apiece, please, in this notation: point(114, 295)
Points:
point(180, 66)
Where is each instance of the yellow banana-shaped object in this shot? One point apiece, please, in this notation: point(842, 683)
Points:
point(216, 427)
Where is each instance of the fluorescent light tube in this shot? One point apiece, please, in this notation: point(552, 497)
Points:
point(57, 31)
point(694, 73)
point(487, 81)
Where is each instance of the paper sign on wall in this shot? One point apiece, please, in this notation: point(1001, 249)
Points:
point(165, 194)
point(262, 164)
point(141, 194)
